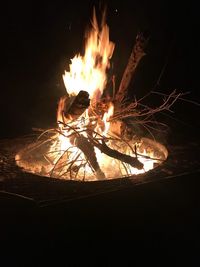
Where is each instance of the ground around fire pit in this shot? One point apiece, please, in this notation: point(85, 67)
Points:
point(183, 160)
point(161, 210)
point(161, 217)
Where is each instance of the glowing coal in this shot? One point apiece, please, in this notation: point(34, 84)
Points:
point(46, 158)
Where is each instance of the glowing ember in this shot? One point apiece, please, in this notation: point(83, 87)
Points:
point(87, 144)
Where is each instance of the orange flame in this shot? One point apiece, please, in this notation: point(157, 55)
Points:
point(88, 72)
point(65, 159)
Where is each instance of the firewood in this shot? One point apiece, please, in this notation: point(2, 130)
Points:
point(135, 57)
point(133, 161)
point(88, 149)
point(76, 105)
point(121, 129)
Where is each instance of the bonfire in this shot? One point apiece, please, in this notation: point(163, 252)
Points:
point(95, 137)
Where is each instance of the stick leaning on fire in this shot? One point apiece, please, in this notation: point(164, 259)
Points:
point(73, 107)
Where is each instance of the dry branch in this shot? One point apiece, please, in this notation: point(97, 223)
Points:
point(86, 145)
point(133, 161)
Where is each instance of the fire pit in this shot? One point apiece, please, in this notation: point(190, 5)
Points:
point(39, 158)
point(95, 138)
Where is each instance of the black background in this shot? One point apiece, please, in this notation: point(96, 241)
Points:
point(37, 41)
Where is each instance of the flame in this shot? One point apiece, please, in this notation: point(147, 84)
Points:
point(63, 158)
point(88, 72)
point(104, 127)
point(107, 115)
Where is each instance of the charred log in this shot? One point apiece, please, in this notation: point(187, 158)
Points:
point(75, 105)
point(133, 161)
point(135, 57)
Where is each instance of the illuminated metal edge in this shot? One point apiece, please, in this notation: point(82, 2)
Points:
point(182, 160)
point(30, 159)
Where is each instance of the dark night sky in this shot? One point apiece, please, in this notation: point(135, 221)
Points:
point(38, 39)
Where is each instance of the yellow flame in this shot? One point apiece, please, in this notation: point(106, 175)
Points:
point(88, 72)
point(104, 127)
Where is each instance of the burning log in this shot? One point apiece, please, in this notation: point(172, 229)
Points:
point(133, 161)
point(74, 106)
point(88, 149)
point(135, 57)
point(85, 126)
